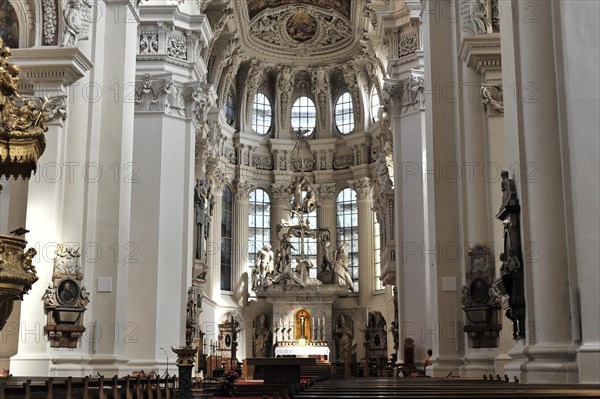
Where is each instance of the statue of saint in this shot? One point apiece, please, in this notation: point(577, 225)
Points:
point(340, 268)
point(261, 337)
point(344, 336)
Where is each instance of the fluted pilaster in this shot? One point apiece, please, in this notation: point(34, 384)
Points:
point(366, 248)
point(240, 240)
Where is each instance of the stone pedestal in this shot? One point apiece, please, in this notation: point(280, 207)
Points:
point(185, 363)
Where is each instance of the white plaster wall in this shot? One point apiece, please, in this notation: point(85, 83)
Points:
point(143, 275)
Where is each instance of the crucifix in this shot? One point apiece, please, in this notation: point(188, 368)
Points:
point(302, 324)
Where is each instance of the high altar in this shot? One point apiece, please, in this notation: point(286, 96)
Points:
point(302, 306)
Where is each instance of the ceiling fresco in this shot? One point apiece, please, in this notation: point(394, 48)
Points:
point(341, 6)
point(301, 26)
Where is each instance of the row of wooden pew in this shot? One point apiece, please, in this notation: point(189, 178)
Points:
point(141, 387)
point(441, 388)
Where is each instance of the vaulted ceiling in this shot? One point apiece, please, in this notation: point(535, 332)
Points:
point(256, 41)
point(300, 31)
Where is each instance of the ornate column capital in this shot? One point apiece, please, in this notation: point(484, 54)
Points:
point(326, 191)
point(280, 193)
point(391, 95)
point(399, 96)
point(218, 179)
point(203, 97)
point(242, 189)
point(363, 187)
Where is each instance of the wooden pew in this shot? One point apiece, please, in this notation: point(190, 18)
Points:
point(150, 387)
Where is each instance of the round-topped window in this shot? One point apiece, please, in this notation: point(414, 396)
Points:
point(261, 114)
point(304, 115)
point(374, 105)
point(344, 113)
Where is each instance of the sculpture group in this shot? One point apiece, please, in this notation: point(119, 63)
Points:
point(281, 267)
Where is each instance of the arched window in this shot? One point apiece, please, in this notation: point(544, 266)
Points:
point(259, 224)
point(261, 114)
point(344, 113)
point(226, 235)
point(347, 229)
point(304, 115)
point(374, 105)
point(229, 110)
point(377, 247)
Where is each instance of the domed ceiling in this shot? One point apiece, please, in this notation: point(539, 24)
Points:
point(300, 31)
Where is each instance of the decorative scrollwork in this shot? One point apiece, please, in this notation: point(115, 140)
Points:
point(407, 43)
point(343, 161)
point(263, 162)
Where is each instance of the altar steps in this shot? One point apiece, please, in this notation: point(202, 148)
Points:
point(321, 369)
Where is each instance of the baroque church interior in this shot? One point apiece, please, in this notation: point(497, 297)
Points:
point(352, 181)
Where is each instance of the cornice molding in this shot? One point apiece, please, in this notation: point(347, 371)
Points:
point(51, 64)
point(482, 52)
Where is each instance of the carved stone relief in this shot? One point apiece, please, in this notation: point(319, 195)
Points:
point(492, 97)
point(344, 161)
point(177, 46)
point(285, 85)
point(408, 43)
point(50, 23)
point(263, 162)
point(320, 87)
point(253, 80)
point(148, 42)
point(300, 29)
point(77, 21)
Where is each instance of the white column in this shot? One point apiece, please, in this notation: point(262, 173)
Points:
point(548, 346)
point(475, 223)
point(161, 227)
point(442, 211)
point(582, 101)
point(213, 249)
point(239, 275)
point(366, 260)
point(56, 204)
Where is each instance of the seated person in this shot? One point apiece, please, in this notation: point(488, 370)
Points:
point(427, 361)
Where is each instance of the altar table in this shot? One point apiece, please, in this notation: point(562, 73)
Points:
point(281, 370)
point(303, 351)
